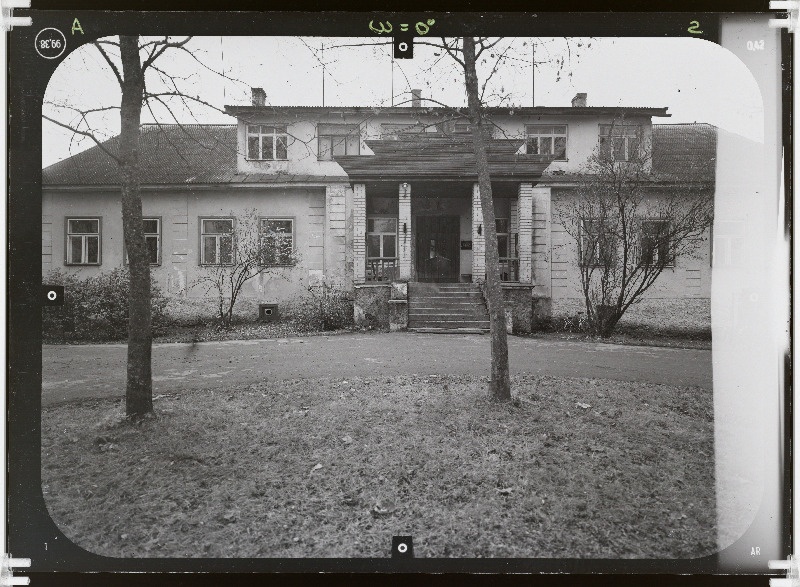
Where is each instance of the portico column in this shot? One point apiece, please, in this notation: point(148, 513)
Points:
point(542, 248)
point(525, 210)
point(359, 233)
point(404, 230)
point(478, 242)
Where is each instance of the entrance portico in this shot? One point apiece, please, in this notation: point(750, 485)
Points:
point(417, 213)
point(417, 217)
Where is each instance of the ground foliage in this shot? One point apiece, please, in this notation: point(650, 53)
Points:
point(96, 308)
point(334, 468)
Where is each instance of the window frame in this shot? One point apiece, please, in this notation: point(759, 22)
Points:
point(596, 258)
point(146, 234)
point(355, 132)
point(512, 240)
point(274, 134)
point(201, 257)
point(552, 135)
point(98, 234)
point(638, 134)
point(671, 255)
point(261, 235)
point(396, 235)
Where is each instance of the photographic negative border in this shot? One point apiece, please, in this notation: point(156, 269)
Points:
point(29, 523)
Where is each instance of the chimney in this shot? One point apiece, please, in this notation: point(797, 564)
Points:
point(259, 96)
point(579, 101)
point(416, 98)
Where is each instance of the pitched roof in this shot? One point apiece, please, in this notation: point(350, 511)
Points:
point(685, 150)
point(170, 154)
point(244, 111)
point(194, 154)
point(416, 157)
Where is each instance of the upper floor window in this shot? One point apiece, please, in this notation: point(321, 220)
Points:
point(266, 143)
point(338, 139)
point(620, 141)
point(152, 239)
point(656, 246)
point(277, 241)
point(83, 241)
point(545, 139)
point(216, 241)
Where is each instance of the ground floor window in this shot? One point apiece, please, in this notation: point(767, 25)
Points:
point(277, 241)
point(507, 250)
point(597, 243)
point(152, 239)
point(83, 241)
point(381, 248)
point(216, 238)
point(656, 247)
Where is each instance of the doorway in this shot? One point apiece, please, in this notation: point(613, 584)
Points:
point(438, 253)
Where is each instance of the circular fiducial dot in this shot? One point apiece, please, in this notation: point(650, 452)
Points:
point(51, 295)
point(402, 548)
point(753, 297)
point(403, 47)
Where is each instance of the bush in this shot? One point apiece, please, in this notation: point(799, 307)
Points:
point(96, 308)
point(325, 307)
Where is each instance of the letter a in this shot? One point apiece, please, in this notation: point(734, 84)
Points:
point(76, 26)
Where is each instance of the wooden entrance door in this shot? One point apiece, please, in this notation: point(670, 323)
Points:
point(438, 252)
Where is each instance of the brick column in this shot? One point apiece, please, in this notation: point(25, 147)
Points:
point(525, 210)
point(404, 231)
point(542, 251)
point(359, 233)
point(335, 224)
point(478, 242)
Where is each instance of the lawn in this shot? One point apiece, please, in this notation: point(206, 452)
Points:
point(333, 468)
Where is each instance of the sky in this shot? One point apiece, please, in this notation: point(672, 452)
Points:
point(696, 80)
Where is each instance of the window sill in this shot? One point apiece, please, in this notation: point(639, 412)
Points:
point(263, 160)
point(82, 264)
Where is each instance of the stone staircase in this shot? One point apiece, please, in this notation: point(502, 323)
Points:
point(447, 307)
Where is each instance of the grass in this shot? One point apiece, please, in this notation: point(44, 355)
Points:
point(640, 335)
point(334, 468)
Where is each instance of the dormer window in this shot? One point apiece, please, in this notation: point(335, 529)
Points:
point(266, 143)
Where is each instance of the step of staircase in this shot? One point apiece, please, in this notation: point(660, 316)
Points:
point(446, 308)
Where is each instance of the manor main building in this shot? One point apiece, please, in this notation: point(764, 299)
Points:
point(368, 197)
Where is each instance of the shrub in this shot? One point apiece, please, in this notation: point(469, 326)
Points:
point(325, 307)
point(96, 308)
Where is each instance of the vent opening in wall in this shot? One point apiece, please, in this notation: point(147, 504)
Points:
point(268, 312)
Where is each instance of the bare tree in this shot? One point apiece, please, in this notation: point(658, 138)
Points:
point(240, 249)
point(500, 382)
point(132, 61)
point(495, 54)
point(627, 228)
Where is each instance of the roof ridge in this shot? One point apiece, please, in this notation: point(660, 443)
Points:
point(685, 124)
point(179, 124)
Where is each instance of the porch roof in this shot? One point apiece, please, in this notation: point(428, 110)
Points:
point(410, 158)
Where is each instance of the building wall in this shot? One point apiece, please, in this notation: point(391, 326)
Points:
point(180, 212)
point(582, 137)
point(689, 278)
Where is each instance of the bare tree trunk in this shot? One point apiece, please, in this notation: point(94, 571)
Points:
point(139, 389)
point(500, 384)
